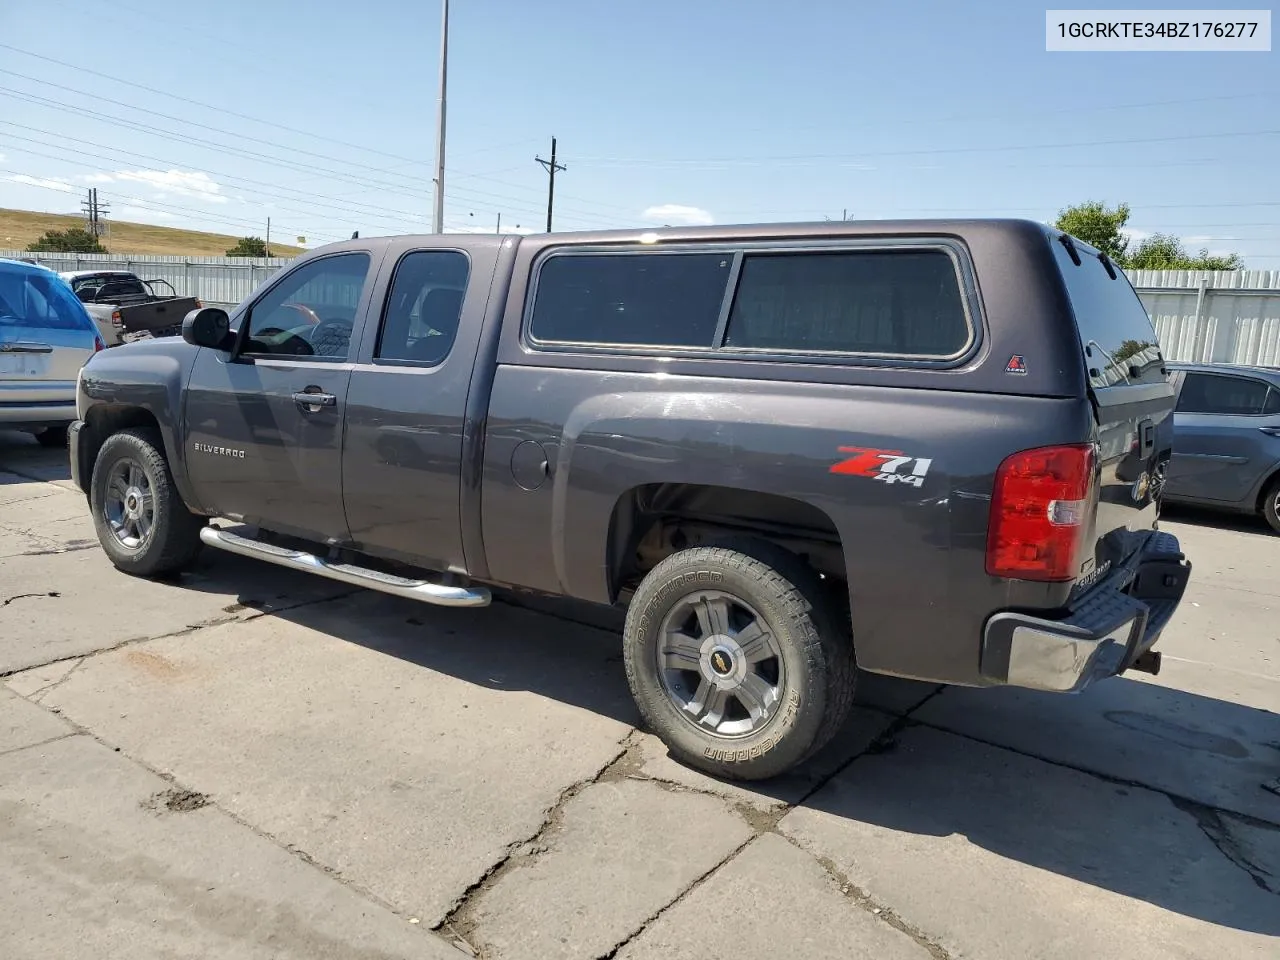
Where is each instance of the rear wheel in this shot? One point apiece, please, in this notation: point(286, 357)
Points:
point(142, 523)
point(1271, 505)
point(53, 436)
point(736, 660)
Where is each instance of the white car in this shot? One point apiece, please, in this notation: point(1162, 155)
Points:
point(46, 335)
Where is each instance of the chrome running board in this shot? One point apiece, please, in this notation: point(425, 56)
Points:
point(423, 590)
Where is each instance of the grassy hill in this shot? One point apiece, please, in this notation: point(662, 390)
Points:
point(21, 227)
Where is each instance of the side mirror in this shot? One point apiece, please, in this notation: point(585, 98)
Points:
point(207, 327)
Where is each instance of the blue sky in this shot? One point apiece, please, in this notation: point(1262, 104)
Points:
point(321, 115)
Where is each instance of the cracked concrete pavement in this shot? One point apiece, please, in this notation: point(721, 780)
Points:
point(250, 762)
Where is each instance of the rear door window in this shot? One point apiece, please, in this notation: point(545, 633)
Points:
point(1117, 336)
point(424, 306)
point(1223, 394)
point(872, 302)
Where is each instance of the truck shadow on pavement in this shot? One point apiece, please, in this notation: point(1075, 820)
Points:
point(1154, 793)
point(1146, 791)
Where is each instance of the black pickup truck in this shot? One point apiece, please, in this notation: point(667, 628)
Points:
point(930, 449)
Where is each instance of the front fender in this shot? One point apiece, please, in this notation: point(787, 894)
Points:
point(148, 376)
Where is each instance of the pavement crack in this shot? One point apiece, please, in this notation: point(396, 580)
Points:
point(766, 821)
point(1175, 798)
point(864, 901)
point(1212, 825)
point(31, 596)
point(41, 743)
point(460, 921)
point(38, 695)
point(173, 634)
point(683, 895)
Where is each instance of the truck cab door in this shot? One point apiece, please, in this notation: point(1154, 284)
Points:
point(264, 422)
point(403, 456)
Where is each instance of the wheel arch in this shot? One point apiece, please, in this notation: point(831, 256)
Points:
point(651, 521)
point(102, 420)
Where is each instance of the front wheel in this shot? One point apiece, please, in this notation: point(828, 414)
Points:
point(736, 660)
point(141, 521)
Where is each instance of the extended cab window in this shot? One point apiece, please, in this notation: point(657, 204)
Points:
point(899, 303)
point(1218, 393)
point(311, 312)
point(424, 306)
point(632, 299)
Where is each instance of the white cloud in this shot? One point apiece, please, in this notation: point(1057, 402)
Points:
point(96, 178)
point(49, 183)
point(679, 215)
point(193, 183)
point(2, 158)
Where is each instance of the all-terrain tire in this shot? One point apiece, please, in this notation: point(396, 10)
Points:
point(173, 536)
point(813, 643)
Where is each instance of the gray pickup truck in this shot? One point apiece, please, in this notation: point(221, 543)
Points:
point(929, 449)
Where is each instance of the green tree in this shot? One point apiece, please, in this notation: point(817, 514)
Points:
point(1093, 223)
point(1164, 251)
point(248, 247)
point(73, 240)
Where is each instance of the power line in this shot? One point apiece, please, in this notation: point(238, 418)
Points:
point(730, 161)
point(222, 146)
point(391, 188)
point(155, 205)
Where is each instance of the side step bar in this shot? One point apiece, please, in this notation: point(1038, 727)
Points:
point(424, 590)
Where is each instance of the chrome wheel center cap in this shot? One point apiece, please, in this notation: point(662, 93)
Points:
point(722, 662)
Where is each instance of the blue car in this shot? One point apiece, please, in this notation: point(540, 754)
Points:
point(1226, 439)
point(46, 336)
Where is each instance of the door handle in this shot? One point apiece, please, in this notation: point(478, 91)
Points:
point(1146, 439)
point(304, 398)
point(1271, 431)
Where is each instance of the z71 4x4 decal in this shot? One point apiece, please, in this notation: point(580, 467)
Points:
point(889, 466)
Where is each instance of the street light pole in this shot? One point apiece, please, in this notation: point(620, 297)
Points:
point(437, 217)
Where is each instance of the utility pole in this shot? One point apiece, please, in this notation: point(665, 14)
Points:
point(551, 167)
point(93, 212)
point(437, 216)
point(498, 229)
point(268, 243)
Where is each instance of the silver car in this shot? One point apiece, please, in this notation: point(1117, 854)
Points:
point(46, 336)
point(1226, 439)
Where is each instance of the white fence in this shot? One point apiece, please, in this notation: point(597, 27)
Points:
point(215, 280)
point(1230, 316)
point(1209, 317)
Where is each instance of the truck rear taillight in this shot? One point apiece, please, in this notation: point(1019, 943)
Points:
point(115, 318)
point(1040, 512)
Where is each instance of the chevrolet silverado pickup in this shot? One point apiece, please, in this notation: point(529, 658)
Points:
point(793, 452)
